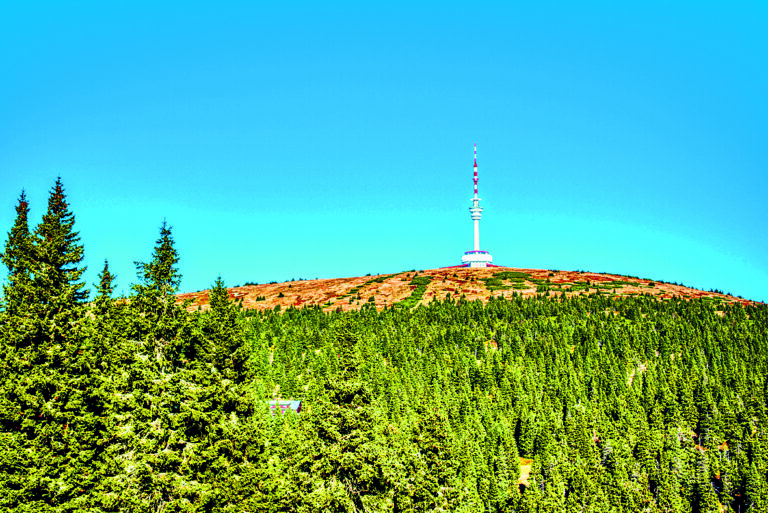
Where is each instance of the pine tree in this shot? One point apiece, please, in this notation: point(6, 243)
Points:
point(104, 289)
point(16, 257)
point(55, 311)
point(106, 284)
point(57, 254)
point(224, 341)
point(218, 298)
point(160, 277)
point(43, 297)
point(158, 319)
point(52, 414)
point(16, 254)
point(347, 463)
point(756, 489)
point(108, 324)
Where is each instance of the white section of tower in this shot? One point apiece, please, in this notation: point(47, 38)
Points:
point(476, 257)
point(476, 210)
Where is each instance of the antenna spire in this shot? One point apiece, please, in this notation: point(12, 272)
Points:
point(475, 170)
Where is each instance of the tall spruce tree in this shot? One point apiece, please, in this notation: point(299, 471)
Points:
point(108, 323)
point(106, 284)
point(43, 297)
point(16, 254)
point(104, 288)
point(57, 255)
point(51, 414)
point(345, 469)
point(16, 257)
point(160, 277)
point(153, 297)
point(13, 332)
point(224, 341)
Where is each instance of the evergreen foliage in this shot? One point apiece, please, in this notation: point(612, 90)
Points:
point(17, 247)
point(159, 278)
point(136, 404)
point(57, 253)
point(16, 257)
point(104, 289)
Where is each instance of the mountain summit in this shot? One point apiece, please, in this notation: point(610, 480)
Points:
point(410, 288)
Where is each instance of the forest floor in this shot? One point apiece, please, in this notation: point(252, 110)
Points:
point(414, 287)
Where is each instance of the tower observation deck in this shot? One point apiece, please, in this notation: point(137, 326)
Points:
point(476, 257)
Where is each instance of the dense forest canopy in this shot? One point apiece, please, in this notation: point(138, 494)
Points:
point(544, 404)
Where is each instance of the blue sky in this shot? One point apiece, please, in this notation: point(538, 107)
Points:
point(333, 140)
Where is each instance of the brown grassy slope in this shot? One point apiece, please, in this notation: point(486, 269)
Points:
point(352, 293)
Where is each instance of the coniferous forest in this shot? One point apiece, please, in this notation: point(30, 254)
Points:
point(547, 404)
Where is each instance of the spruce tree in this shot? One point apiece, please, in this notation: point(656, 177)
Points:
point(347, 462)
point(43, 297)
point(160, 277)
point(57, 255)
point(108, 324)
point(224, 343)
point(16, 254)
point(158, 318)
point(13, 362)
point(705, 497)
point(106, 284)
point(17, 258)
point(52, 414)
point(104, 288)
point(756, 489)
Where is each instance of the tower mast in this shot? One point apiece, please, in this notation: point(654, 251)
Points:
point(476, 257)
point(476, 210)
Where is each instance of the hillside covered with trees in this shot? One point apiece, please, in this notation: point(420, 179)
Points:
point(553, 402)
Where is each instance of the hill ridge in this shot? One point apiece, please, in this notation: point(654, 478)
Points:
point(409, 288)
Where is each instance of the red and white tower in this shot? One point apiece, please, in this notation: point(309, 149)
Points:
point(476, 257)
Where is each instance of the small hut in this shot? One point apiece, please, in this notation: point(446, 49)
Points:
point(284, 406)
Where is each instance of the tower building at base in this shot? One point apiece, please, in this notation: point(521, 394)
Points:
point(476, 257)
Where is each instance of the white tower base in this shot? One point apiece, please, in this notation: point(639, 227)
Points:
point(477, 258)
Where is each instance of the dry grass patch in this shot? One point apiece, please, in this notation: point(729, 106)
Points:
point(525, 471)
point(389, 289)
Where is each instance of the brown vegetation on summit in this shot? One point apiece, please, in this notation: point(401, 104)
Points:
point(448, 282)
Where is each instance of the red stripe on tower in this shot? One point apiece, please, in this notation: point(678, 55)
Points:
point(475, 169)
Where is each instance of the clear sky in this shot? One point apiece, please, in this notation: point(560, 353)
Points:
point(325, 139)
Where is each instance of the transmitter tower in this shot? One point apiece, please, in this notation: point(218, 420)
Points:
point(476, 257)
